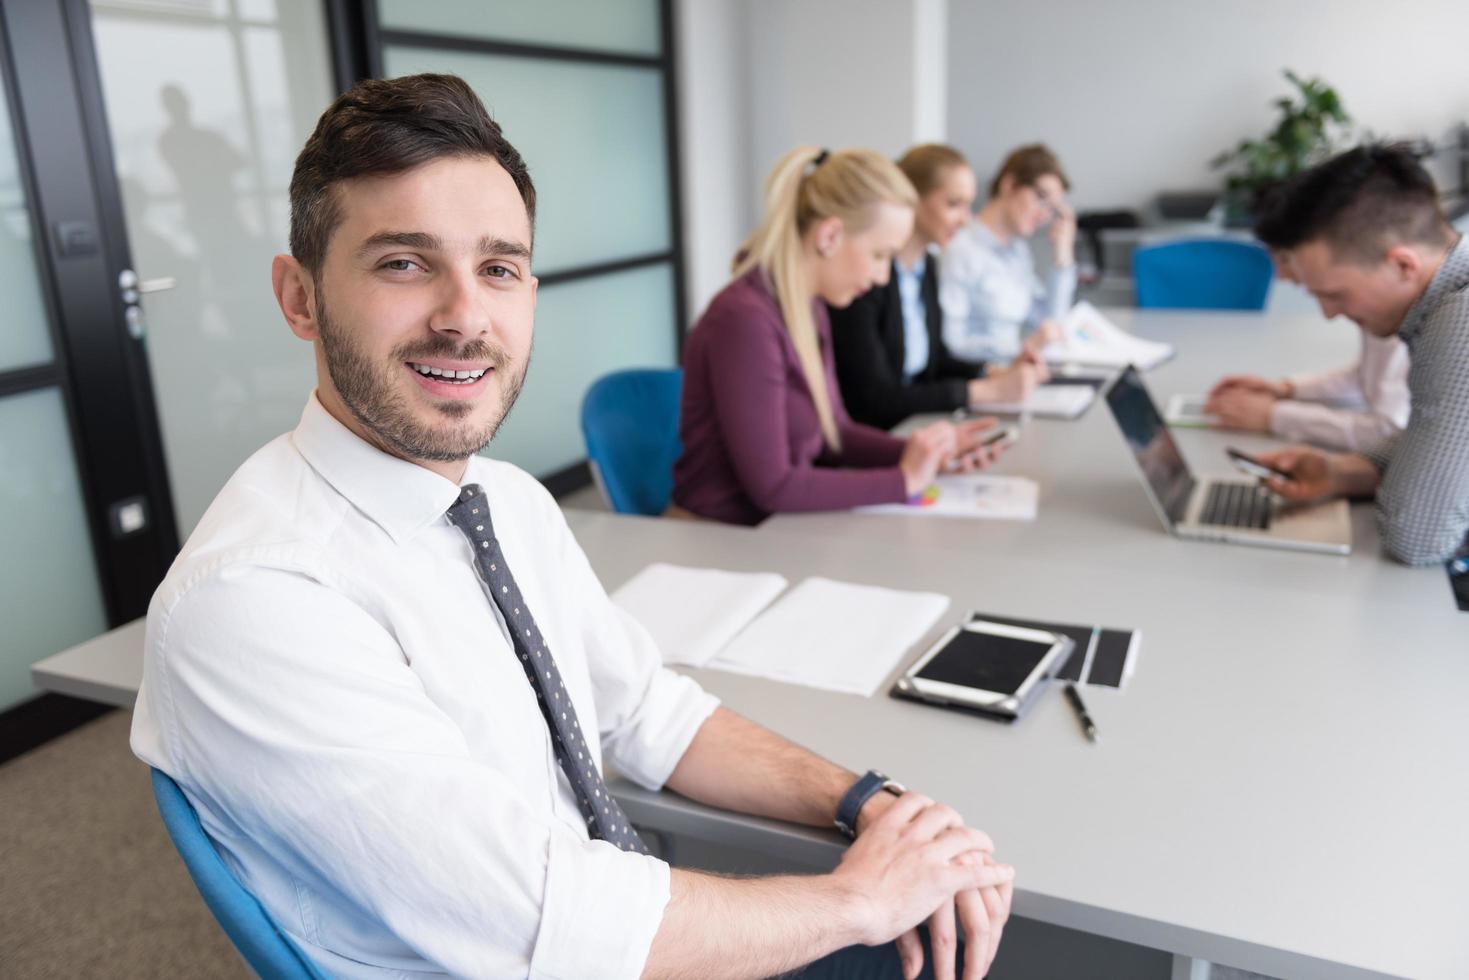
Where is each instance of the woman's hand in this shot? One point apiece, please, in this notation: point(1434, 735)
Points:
point(925, 453)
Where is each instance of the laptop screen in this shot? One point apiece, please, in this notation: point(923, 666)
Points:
point(1151, 442)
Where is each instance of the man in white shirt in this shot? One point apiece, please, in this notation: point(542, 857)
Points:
point(1360, 406)
point(393, 739)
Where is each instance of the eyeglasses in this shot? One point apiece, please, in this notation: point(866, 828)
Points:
point(1053, 209)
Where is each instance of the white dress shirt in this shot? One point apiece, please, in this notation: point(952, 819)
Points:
point(991, 295)
point(1359, 407)
point(915, 319)
point(327, 680)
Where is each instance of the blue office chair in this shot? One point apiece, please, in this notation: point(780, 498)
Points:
point(1206, 274)
point(630, 421)
point(264, 947)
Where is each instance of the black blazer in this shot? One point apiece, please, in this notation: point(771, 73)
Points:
point(867, 340)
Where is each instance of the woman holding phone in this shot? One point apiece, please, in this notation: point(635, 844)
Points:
point(763, 425)
point(995, 306)
point(891, 357)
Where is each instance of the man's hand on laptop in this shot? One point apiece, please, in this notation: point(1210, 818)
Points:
point(914, 860)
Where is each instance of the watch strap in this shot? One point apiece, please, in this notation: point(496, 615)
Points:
point(853, 800)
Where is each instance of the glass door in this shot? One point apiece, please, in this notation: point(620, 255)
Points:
point(206, 106)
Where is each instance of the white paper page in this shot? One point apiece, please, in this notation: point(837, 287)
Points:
point(833, 635)
point(692, 613)
point(1046, 401)
point(1005, 498)
point(1090, 338)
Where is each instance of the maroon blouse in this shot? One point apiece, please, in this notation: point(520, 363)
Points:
point(752, 441)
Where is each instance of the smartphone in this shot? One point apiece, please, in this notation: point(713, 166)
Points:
point(1000, 435)
point(1246, 463)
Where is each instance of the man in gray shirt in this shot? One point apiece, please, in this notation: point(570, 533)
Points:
point(1365, 234)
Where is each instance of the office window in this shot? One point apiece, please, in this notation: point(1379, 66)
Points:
point(582, 92)
point(49, 594)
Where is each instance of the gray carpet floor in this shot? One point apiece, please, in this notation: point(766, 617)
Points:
point(91, 885)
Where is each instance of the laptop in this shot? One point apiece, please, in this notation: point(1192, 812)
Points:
point(1239, 511)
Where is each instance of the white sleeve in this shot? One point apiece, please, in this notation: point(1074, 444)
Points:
point(1330, 428)
point(289, 716)
point(1338, 385)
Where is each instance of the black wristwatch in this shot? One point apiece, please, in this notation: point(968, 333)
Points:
point(862, 791)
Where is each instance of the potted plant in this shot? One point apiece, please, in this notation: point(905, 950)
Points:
point(1310, 127)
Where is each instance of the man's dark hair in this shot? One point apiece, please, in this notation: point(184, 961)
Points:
point(383, 127)
point(1361, 203)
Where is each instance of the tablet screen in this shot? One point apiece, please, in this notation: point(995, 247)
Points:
point(985, 661)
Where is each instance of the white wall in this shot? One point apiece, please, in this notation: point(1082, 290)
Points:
point(758, 77)
point(1136, 96)
point(718, 185)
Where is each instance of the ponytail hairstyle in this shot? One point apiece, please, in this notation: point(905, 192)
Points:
point(809, 185)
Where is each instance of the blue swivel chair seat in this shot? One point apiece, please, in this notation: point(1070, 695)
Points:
point(264, 947)
point(630, 422)
point(1205, 274)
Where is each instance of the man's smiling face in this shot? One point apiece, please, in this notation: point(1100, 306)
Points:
point(425, 307)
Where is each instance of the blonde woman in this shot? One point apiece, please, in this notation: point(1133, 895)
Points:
point(892, 360)
point(763, 424)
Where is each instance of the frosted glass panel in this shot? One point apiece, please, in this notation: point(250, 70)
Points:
point(49, 595)
point(207, 115)
point(593, 138)
point(25, 337)
point(584, 329)
point(625, 26)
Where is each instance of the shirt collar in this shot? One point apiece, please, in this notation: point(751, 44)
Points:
point(399, 496)
point(1451, 277)
point(917, 270)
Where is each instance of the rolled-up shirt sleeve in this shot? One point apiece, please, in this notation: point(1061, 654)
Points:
point(307, 737)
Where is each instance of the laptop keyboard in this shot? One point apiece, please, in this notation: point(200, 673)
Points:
point(1237, 505)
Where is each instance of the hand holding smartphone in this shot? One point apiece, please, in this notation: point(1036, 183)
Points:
point(1248, 464)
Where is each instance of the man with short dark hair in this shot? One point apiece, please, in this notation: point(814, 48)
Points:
point(384, 673)
point(1364, 233)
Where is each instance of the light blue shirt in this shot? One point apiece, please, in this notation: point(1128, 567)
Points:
point(915, 319)
point(991, 294)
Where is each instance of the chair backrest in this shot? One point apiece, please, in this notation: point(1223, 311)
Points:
point(264, 947)
point(630, 421)
point(1205, 274)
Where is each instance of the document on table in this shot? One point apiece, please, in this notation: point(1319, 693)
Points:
point(1087, 337)
point(692, 613)
point(1007, 498)
point(1057, 401)
point(836, 636)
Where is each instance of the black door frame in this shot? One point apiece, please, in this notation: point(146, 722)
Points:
point(80, 249)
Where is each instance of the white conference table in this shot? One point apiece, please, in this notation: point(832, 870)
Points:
point(1281, 787)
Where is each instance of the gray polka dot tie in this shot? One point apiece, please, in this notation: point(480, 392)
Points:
point(605, 819)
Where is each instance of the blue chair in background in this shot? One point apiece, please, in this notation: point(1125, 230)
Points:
point(630, 422)
point(1206, 274)
point(264, 947)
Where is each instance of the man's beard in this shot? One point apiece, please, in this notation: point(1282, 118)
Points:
point(371, 394)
